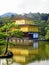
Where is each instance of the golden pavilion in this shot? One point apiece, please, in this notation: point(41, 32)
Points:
point(27, 26)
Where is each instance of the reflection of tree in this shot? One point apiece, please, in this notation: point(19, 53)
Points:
point(9, 61)
point(5, 62)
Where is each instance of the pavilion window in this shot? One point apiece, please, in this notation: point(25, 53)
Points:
point(35, 35)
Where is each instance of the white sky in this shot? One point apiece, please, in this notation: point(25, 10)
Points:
point(24, 6)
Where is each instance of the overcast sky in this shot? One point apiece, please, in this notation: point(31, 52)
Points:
point(24, 6)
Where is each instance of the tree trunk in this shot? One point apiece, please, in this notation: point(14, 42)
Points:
point(7, 40)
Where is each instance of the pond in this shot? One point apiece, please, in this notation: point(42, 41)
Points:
point(12, 62)
point(40, 59)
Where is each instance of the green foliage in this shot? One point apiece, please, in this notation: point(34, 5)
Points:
point(47, 34)
point(17, 33)
point(2, 42)
point(2, 35)
point(5, 30)
point(47, 28)
point(42, 25)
